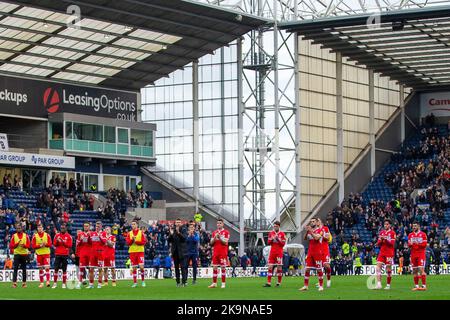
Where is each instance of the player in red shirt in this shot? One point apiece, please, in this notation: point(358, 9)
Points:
point(97, 239)
point(219, 241)
point(276, 241)
point(109, 256)
point(386, 242)
point(417, 241)
point(314, 233)
point(41, 243)
point(327, 238)
point(84, 249)
point(63, 245)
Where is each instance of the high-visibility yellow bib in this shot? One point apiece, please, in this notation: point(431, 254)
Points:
point(39, 241)
point(23, 241)
point(134, 247)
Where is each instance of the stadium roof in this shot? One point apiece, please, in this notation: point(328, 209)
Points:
point(410, 46)
point(124, 44)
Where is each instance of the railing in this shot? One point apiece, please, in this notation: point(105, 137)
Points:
point(102, 147)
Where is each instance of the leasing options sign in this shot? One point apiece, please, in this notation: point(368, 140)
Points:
point(37, 160)
point(437, 103)
point(34, 98)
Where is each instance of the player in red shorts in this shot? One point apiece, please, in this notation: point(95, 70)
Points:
point(314, 234)
point(136, 241)
point(84, 249)
point(109, 257)
point(276, 241)
point(327, 238)
point(219, 242)
point(386, 242)
point(41, 243)
point(417, 241)
point(97, 239)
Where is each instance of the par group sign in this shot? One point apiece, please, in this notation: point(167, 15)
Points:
point(32, 98)
point(37, 160)
point(437, 103)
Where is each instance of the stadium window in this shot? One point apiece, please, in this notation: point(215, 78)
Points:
point(109, 134)
point(69, 131)
point(88, 132)
point(122, 135)
point(56, 130)
point(141, 138)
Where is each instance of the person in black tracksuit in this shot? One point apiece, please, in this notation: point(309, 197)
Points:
point(177, 239)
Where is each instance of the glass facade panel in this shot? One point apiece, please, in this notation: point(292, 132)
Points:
point(89, 132)
point(141, 138)
point(168, 103)
point(122, 135)
point(110, 134)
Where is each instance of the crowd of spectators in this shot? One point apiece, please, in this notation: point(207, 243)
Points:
point(431, 177)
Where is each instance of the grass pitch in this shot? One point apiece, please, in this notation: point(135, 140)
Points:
point(343, 288)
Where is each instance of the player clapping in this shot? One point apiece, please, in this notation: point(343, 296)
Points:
point(136, 241)
point(97, 239)
point(276, 240)
point(314, 234)
point(219, 241)
point(386, 242)
point(417, 241)
point(84, 249)
point(109, 257)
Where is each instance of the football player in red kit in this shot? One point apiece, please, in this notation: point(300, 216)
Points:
point(84, 249)
point(109, 257)
point(97, 239)
point(219, 242)
point(386, 242)
point(417, 241)
point(41, 243)
point(314, 234)
point(327, 238)
point(63, 245)
point(276, 241)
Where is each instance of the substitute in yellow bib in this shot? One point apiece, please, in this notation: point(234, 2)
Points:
point(19, 245)
point(41, 244)
point(136, 241)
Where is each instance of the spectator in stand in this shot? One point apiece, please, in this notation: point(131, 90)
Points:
point(234, 262)
point(437, 258)
point(157, 265)
point(8, 263)
point(254, 263)
point(244, 261)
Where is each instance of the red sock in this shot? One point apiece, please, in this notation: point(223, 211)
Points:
point(416, 280)
point(134, 276)
point(55, 277)
point(424, 280)
point(215, 275)
point(64, 277)
point(328, 272)
point(47, 274)
point(100, 280)
point(280, 274)
point(224, 275)
point(307, 274)
point(320, 275)
point(142, 275)
point(269, 277)
point(80, 275)
point(41, 275)
point(389, 277)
